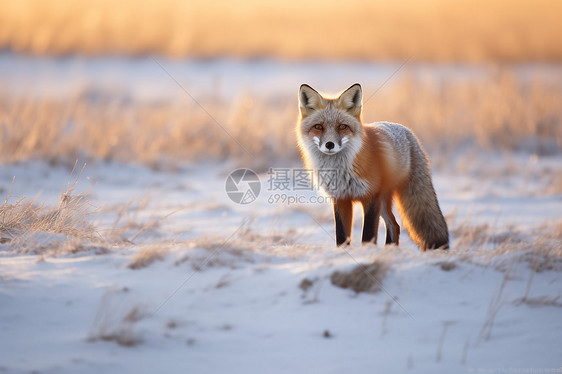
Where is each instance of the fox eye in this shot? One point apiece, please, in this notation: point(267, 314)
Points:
point(319, 127)
point(342, 127)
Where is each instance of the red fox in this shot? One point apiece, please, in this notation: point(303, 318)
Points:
point(374, 163)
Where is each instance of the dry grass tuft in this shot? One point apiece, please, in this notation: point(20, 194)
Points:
point(115, 321)
point(305, 284)
point(469, 235)
point(67, 228)
point(363, 278)
point(123, 336)
point(447, 265)
point(31, 228)
point(544, 251)
point(539, 247)
point(129, 226)
point(148, 255)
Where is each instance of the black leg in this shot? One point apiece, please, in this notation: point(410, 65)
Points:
point(371, 221)
point(343, 215)
point(341, 237)
point(392, 227)
point(388, 236)
point(392, 231)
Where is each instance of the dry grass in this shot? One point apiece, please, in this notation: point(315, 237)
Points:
point(447, 265)
point(438, 355)
point(148, 255)
point(497, 301)
point(363, 278)
point(70, 227)
point(156, 134)
point(115, 320)
point(540, 301)
point(538, 247)
point(28, 227)
point(500, 112)
point(243, 245)
point(437, 30)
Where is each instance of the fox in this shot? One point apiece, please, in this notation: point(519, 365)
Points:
point(371, 164)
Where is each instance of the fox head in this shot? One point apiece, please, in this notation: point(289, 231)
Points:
point(330, 125)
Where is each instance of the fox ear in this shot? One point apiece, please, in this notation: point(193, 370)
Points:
point(351, 100)
point(309, 100)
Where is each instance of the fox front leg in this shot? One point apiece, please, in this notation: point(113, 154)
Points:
point(371, 214)
point(343, 216)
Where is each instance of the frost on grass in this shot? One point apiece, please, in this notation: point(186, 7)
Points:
point(129, 226)
point(539, 247)
point(245, 245)
point(363, 278)
point(66, 227)
point(26, 227)
point(167, 134)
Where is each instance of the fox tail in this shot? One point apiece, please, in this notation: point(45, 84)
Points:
point(418, 206)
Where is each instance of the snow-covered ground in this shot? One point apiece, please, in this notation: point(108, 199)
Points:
point(148, 78)
point(246, 288)
point(169, 275)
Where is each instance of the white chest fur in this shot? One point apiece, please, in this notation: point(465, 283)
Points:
point(335, 176)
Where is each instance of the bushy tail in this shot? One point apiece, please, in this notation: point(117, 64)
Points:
point(418, 206)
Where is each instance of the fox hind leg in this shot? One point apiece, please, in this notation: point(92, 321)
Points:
point(392, 227)
point(343, 217)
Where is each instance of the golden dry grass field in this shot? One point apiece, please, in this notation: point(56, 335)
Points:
point(428, 30)
point(501, 113)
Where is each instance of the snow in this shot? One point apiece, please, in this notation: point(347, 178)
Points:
point(226, 295)
point(222, 310)
point(142, 78)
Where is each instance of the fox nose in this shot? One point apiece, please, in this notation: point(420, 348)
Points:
point(330, 145)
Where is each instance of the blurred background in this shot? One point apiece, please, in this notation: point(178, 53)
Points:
point(427, 30)
point(168, 82)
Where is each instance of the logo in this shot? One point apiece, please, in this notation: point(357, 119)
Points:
point(243, 186)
